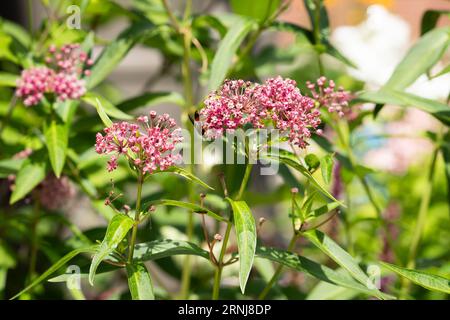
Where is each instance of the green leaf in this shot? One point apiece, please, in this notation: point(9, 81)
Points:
point(245, 227)
point(17, 32)
point(423, 279)
point(55, 267)
point(289, 159)
point(293, 28)
point(190, 206)
point(223, 58)
point(151, 99)
point(32, 172)
point(430, 19)
point(159, 249)
point(56, 139)
point(210, 21)
point(117, 230)
point(425, 53)
point(326, 167)
point(139, 282)
point(95, 100)
point(323, 209)
point(8, 79)
point(187, 175)
point(312, 161)
point(102, 114)
point(260, 10)
point(446, 155)
point(323, 21)
point(302, 264)
point(114, 52)
point(403, 99)
point(339, 255)
point(10, 166)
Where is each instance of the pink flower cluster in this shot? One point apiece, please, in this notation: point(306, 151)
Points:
point(328, 97)
point(61, 76)
point(277, 102)
point(54, 193)
point(147, 147)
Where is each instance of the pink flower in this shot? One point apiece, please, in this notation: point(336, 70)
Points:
point(277, 102)
point(291, 113)
point(147, 147)
point(229, 108)
point(33, 84)
point(328, 97)
point(61, 76)
point(54, 193)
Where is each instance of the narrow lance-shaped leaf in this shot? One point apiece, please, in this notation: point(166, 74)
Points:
point(223, 58)
point(117, 230)
point(339, 255)
point(114, 53)
point(139, 282)
point(245, 227)
point(55, 267)
point(8, 79)
point(423, 279)
point(420, 58)
point(187, 205)
point(151, 99)
point(185, 174)
point(302, 264)
point(159, 249)
point(56, 139)
point(102, 114)
point(403, 99)
point(29, 176)
point(93, 99)
point(288, 159)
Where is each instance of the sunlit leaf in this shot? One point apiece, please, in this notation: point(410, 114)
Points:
point(139, 282)
point(423, 279)
point(245, 227)
point(117, 230)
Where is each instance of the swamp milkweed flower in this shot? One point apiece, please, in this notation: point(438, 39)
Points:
point(328, 97)
point(277, 103)
point(147, 146)
point(62, 76)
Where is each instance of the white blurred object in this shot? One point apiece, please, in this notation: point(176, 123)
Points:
point(377, 46)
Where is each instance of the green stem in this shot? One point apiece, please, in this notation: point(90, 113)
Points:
point(136, 218)
point(34, 240)
point(278, 271)
point(420, 224)
point(188, 94)
point(30, 16)
point(248, 171)
point(218, 273)
point(317, 37)
point(220, 265)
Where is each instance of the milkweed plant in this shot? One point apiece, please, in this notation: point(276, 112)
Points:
point(257, 187)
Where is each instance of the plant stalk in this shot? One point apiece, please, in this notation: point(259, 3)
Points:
point(136, 218)
point(220, 264)
point(278, 271)
point(420, 224)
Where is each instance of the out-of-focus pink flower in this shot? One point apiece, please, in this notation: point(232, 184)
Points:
point(54, 193)
point(277, 102)
point(147, 147)
point(33, 84)
point(327, 96)
point(61, 76)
